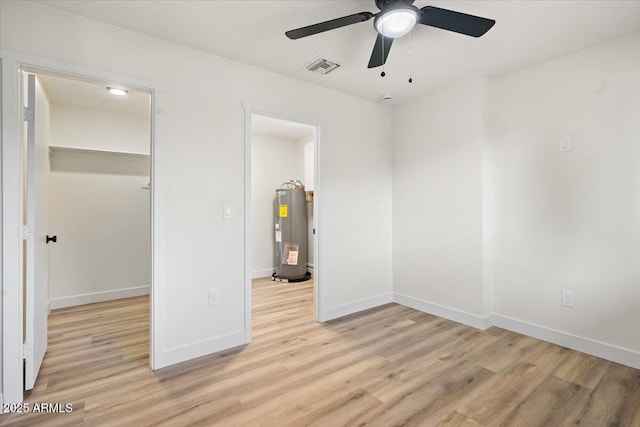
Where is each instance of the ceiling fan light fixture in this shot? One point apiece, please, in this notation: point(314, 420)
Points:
point(396, 22)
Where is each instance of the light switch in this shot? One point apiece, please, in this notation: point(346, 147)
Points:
point(227, 212)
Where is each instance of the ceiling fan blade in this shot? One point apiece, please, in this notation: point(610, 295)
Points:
point(328, 25)
point(378, 57)
point(457, 22)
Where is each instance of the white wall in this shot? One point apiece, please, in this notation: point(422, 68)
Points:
point(100, 129)
point(201, 161)
point(275, 160)
point(489, 215)
point(102, 220)
point(97, 206)
point(570, 220)
point(437, 198)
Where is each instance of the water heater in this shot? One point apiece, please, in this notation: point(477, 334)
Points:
point(290, 211)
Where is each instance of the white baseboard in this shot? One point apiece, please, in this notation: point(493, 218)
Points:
point(354, 307)
point(574, 342)
point(74, 300)
point(201, 348)
point(469, 319)
point(585, 345)
point(265, 272)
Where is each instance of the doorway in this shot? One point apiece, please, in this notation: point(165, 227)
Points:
point(281, 154)
point(87, 190)
point(14, 170)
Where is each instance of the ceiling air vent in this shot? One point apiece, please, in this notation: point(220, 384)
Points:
point(321, 65)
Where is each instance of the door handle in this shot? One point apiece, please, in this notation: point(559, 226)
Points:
point(53, 239)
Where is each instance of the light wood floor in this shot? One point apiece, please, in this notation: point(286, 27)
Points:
point(387, 366)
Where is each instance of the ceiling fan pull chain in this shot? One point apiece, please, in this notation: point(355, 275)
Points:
point(410, 59)
point(382, 74)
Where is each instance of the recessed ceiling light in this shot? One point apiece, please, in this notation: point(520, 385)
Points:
point(386, 98)
point(116, 91)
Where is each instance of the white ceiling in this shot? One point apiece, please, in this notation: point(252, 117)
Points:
point(282, 128)
point(67, 91)
point(526, 33)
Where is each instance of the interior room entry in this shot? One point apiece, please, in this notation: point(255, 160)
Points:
point(87, 199)
point(282, 157)
point(283, 238)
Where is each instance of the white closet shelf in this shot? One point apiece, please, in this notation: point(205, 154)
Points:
point(57, 149)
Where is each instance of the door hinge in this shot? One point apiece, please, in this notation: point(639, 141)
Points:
point(28, 114)
point(27, 232)
point(27, 351)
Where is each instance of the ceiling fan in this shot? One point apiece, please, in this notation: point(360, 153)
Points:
point(395, 19)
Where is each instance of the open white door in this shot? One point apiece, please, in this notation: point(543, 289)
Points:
point(36, 270)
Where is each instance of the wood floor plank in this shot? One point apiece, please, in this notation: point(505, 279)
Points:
point(456, 419)
point(548, 405)
point(614, 402)
point(342, 412)
point(582, 369)
point(390, 365)
point(509, 388)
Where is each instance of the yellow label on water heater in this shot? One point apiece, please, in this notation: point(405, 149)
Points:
point(284, 211)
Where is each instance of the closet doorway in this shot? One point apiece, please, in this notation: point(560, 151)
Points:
point(94, 201)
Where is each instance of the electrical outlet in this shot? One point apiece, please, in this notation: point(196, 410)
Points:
point(567, 298)
point(213, 297)
point(565, 143)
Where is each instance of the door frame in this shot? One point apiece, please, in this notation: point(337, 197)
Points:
point(318, 296)
point(13, 63)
